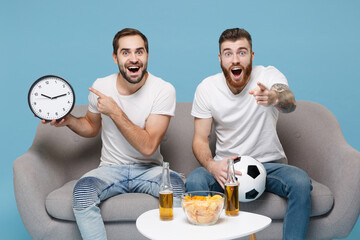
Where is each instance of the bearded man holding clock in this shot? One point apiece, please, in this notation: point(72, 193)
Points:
point(133, 109)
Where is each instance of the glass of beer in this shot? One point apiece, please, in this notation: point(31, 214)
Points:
point(166, 205)
point(232, 200)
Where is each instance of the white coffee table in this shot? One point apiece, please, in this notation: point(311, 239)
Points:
point(246, 224)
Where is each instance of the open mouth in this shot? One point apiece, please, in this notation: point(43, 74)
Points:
point(236, 72)
point(133, 69)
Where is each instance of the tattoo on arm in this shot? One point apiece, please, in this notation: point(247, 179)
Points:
point(286, 99)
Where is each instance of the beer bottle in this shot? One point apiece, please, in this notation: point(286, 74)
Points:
point(231, 190)
point(166, 195)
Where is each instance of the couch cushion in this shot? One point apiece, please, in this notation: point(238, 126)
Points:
point(274, 206)
point(123, 207)
point(127, 207)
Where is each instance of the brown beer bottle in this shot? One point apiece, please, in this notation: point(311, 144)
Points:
point(166, 195)
point(231, 191)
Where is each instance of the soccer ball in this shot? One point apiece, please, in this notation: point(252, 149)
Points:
point(253, 178)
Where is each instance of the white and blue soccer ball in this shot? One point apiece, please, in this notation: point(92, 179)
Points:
point(253, 178)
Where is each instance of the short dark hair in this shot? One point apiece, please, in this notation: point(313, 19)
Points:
point(234, 34)
point(128, 32)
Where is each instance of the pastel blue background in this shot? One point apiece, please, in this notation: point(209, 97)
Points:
point(314, 43)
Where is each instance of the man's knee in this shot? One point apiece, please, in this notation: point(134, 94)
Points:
point(197, 181)
point(300, 183)
point(195, 175)
point(86, 193)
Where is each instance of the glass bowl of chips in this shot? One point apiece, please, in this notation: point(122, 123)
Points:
point(203, 207)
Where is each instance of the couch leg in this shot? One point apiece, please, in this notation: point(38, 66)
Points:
point(252, 236)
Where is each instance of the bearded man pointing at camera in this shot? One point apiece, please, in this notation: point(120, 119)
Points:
point(243, 103)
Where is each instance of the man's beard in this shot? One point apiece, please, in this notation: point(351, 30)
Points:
point(128, 78)
point(241, 83)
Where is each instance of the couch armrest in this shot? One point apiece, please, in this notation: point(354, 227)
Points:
point(33, 181)
point(56, 156)
point(312, 140)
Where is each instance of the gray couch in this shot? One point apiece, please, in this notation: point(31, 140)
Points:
point(45, 175)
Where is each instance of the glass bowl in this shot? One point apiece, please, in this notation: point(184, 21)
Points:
point(203, 207)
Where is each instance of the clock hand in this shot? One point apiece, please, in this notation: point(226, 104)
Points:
point(46, 96)
point(59, 96)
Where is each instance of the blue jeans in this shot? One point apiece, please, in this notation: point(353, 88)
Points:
point(284, 180)
point(107, 181)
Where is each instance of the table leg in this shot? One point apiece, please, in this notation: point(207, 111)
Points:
point(252, 236)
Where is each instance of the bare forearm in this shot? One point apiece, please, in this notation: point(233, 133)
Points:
point(139, 138)
point(202, 153)
point(82, 126)
point(285, 98)
point(218, 169)
point(146, 140)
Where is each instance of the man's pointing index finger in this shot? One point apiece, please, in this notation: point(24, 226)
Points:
point(262, 86)
point(96, 92)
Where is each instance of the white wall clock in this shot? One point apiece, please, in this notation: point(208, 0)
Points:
point(51, 97)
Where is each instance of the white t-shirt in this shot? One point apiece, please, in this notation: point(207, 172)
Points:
point(155, 97)
point(242, 126)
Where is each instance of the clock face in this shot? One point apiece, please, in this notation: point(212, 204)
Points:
point(51, 97)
